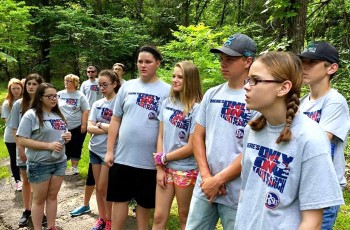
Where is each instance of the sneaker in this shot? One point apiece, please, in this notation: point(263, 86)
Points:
point(99, 224)
point(75, 170)
point(80, 210)
point(18, 186)
point(44, 222)
point(108, 225)
point(23, 221)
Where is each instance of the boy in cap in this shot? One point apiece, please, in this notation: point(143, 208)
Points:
point(327, 107)
point(218, 138)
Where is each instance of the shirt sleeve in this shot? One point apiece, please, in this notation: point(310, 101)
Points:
point(335, 120)
point(93, 112)
point(26, 126)
point(5, 111)
point(201, 116)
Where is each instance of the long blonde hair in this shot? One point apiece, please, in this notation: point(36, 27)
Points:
point(283, 66)
point(9, 96)
point(191, 87)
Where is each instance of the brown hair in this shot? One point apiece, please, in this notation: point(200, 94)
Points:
point(26, 98)
point(112, 76)
point(192, 89)
point(283, 66)
point(38, 103)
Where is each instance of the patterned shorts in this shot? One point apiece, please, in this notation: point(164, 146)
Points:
point(181, 178)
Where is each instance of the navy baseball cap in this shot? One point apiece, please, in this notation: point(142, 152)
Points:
point(320, 51)
point(237, 45)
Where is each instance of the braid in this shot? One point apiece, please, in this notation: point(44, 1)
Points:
point(258, 123)
point(292, 109)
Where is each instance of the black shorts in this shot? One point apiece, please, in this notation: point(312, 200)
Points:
point(75, 145)
point(126, 182)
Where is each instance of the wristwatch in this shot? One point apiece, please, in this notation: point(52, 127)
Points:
point(99, 125)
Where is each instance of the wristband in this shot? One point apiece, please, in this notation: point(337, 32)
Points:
point(160, 159)
point(99, 125)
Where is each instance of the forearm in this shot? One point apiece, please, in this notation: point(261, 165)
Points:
point(84, 117)
point(180, 153)
point(199, 151)
point(93, 129)
point(113, 135)
point(231, 172)
point(311, 219)
point(33, 144)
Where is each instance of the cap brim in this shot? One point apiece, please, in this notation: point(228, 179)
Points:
point(310, 56)
point(226, 51)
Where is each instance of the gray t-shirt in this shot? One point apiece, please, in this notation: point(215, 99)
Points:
point(102, 111)
point(5, 113)
point(176, 131)
point(13, 123)
point(72, 105)
point(331, 111)
point(281, 180)
point(51, 131)
point(138, 105)
point(224, 115)
point(91, 90)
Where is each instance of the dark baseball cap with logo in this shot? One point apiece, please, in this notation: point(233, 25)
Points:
point(237, 45)
point(322, 51)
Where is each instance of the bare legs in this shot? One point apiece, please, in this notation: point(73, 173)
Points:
point(45, 192)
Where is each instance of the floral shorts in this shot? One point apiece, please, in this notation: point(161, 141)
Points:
point(181, 178)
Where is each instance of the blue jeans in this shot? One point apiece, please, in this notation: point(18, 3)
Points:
point(203, 215)
point(329, 217)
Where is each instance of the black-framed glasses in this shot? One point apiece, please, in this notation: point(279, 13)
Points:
point(52, 96)
point(104, 85)
point(254, 81)
point(90, 71)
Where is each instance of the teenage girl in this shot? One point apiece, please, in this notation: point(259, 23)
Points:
point(100, 117)
point(177, 169)
point(39, 131)
point(19, 108)
point(14, 92)
point(287, 172)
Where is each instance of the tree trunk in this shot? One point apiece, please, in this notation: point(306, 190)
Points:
point(186, 7)
point(223, 13)
point(139, 10)
point(297, 26)
point(45, 46)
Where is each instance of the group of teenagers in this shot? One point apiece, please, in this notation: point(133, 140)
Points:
point(249, 152)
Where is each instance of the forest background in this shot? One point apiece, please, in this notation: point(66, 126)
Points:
point(58, 37)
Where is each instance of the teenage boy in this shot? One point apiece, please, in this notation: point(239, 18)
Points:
point(218, 139)
point(327, 107)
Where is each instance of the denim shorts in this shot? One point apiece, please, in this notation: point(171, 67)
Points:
point(22, 167)
point(203, 215)
point(38, 172)
point(96, 159)
point(329, 217)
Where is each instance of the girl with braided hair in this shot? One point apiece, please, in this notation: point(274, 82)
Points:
point(287, 174)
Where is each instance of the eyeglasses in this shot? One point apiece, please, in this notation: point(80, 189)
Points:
point(254, 81)
point(52, 96)
point(68, 81)
point(90, 71)
point(105, 85)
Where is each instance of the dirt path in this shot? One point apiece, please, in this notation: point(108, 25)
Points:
point(69, 197)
